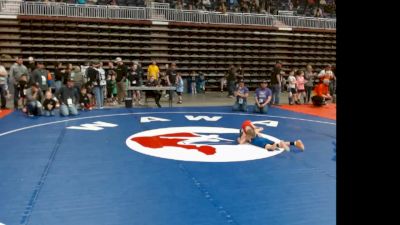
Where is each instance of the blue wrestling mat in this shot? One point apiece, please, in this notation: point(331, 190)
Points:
point(177, 166)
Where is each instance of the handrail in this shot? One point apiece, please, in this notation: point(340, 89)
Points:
point(161, 13)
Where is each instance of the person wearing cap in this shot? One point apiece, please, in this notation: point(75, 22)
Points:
point(31, 64)
point(97, 80)
point(321, 93)
point(69, 98)
point(263, 96)
point(16, 70)
point(241, 93)
point(39, 76)
point(122, 71)
point(34, 98)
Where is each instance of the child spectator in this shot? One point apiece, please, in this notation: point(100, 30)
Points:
point(49, 104)
point(84, 100)
point(193, 83)
point(34, 98)
point(300, 81)
point(241, 94)
point(22, 88)
point(179, 87)
point(292, 88)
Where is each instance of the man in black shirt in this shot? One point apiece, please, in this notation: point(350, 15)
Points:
point(171, 78)
point(122, 71)
point(231, 79)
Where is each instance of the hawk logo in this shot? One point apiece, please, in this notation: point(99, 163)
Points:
point(199, 144)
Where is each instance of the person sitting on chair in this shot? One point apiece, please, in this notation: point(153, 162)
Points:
point(152, 82)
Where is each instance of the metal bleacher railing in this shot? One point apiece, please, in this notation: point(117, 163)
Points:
point(160, 12)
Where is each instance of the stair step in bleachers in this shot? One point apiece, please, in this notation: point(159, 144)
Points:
point(204, 49)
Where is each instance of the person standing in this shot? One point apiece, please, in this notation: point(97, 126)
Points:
point(16, 70)
point(276, 79)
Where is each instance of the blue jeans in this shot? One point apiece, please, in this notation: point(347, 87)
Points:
point(68, 110)
point(33, 108)
point(3, 95)
point(99, 95)
point(263, 110)
point(57, 85)
point(276, 90)
point(240, 107)
point(49, 113)
point(231, 87)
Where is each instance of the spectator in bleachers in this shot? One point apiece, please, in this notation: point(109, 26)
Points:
point(318, 12)
point(122, 72)
point(308, 4)
point(206, 5)
point(153, 71)
point(3, 86)
point(34, 98)
point(310, 76)
point(69, 98)
point(16, 70)
point(39, 76)
point(263, 96)
point(276, 79)
point(241, 94)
